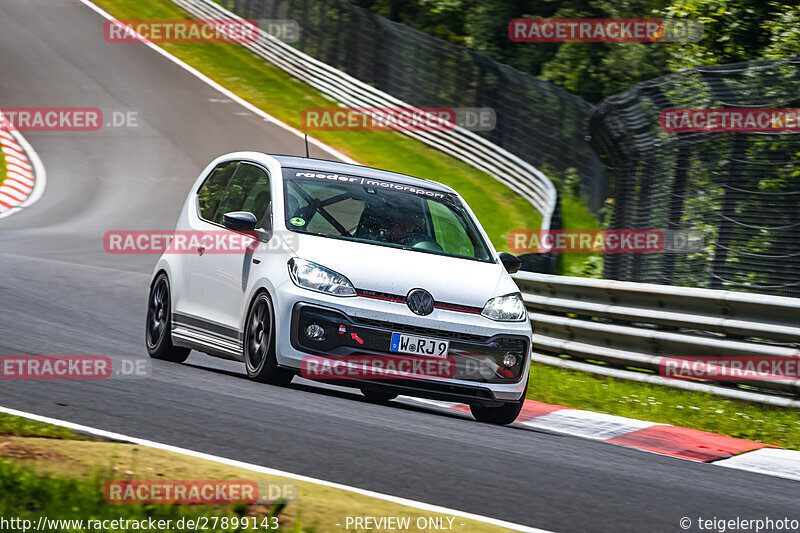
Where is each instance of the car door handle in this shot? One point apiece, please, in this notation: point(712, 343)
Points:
point(201, 249)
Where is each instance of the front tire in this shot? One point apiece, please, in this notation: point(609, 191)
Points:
point(259, 344)
point(158, 328)
point(501, 416)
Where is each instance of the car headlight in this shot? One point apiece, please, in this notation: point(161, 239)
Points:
point(312, 276)
point(508, 308)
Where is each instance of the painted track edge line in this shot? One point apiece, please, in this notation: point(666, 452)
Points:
point(271, 471)
point(227, 92)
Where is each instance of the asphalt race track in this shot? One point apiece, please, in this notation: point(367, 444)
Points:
point(61, 294)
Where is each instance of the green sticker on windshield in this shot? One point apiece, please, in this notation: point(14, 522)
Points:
point(297, 221)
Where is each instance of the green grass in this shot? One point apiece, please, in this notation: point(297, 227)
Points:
point(27, 495)
point(576, 215)
point(63, 479)
point(772, 425)
point(499, 209)
point(14, 425)
point(2, 167)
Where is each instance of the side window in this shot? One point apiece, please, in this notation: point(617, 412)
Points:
point(213, 188)
point(248, 191)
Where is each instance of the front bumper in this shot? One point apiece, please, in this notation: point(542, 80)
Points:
point(477, 345)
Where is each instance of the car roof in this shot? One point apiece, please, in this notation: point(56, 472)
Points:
point(321, 165)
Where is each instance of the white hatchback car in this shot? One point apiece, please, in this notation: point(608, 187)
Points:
point(343, 260)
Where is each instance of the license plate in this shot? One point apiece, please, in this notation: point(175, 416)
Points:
point(418, 345)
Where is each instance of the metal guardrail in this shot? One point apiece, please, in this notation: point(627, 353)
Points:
point(519, 176)
point(625, 329)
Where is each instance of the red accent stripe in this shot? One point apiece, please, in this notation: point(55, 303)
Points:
point(686, 443)
point(455, 309)
point(379, 297)
point(4, 204)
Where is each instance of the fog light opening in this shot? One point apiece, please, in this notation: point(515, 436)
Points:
point(510, 360)
point(315, 332)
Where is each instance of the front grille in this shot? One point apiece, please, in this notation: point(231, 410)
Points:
point(382, 295)
point(397, 298)
point(417, 330)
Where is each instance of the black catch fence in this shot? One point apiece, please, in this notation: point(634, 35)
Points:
point(739, 191)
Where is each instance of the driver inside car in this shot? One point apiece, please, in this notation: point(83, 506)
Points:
point(404, 226)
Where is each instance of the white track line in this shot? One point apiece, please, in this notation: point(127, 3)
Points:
point(241, 101)
point(271, 471)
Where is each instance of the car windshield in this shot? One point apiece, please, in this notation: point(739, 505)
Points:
point(380, 212)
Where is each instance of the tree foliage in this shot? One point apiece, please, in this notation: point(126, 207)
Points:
point(735, 30)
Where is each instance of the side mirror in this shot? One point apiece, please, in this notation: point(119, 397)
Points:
point(239, 221)
point(512, 263)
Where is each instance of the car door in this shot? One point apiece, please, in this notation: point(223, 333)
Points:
point(221, 267)
point(199, 218)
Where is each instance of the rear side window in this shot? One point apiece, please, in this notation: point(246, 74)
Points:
point(213, 188)
point(249, 190)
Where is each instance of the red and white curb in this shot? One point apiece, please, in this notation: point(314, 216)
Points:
point(664, 439)
point(770, 461)
point(25, 175)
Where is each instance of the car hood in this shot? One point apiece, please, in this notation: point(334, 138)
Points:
point(395, 271)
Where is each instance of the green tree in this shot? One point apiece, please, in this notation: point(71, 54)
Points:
point(784, 33)
point(734, 31)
